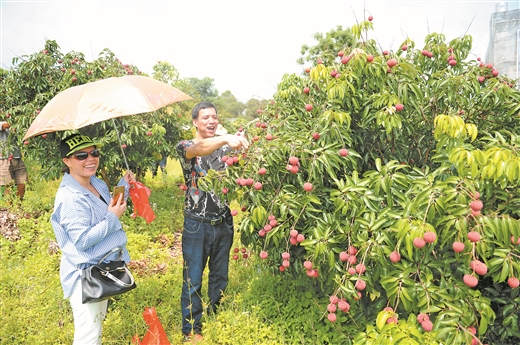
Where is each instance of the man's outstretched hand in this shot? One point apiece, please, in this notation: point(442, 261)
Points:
point(237, 142)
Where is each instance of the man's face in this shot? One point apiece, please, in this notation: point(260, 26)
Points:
point(206, 123)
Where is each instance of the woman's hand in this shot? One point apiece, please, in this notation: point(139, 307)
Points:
point(129, 176)
point(118, 207)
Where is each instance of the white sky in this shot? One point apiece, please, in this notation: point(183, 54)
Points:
point(245, 46)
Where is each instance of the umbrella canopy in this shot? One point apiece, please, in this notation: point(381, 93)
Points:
point(105, 99)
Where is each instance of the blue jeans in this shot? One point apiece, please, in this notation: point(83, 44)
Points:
point(202, 241)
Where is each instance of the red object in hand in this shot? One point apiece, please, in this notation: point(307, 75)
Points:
point(155, 334)
point(139, 194)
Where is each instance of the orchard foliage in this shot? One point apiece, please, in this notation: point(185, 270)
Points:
point(37, 78)
point(380, 161)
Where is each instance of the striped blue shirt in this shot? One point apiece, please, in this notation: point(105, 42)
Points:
point(84, 229)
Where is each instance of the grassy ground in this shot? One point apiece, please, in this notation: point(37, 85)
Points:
point(259, 307)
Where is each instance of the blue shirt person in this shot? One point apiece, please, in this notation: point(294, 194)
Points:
point(87, 226)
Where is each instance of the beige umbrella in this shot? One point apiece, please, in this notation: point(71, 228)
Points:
point(105, 99)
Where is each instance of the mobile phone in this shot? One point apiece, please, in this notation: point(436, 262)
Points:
point(117, 191)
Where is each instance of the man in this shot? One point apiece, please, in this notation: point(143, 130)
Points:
point(11, 164)
point(208, 224)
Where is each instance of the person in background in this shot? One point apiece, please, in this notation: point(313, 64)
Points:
point(208, 224)
point(12, 166)
point(221, 130)
point(161, 163)
point(87, 226)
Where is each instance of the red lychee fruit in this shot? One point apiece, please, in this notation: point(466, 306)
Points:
point(418, 242)
point(458, 247)
point(343, 152)
point(395, 257)
point(343, 306)
point(474, 236)
point(391, 62)
point(427, 325)
point(332, 307)
point(360, 284)
point(479, 267)
point(513, 282)
point(476, 205)
point(360, 268)
point(429, 237)
point(421, 317)
point(470, 280)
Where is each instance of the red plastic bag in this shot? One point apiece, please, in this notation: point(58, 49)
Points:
point(139, 194)
point(155, 334)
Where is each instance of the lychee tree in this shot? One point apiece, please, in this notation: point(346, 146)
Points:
point(379, 189)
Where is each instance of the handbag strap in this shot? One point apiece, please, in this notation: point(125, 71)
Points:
point(118, 281)
point(110, 252)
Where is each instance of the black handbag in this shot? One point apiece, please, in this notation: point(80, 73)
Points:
point(104, 280)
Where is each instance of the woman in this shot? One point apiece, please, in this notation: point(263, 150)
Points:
point(86, 224)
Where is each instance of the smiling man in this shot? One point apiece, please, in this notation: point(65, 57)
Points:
point(208, 225)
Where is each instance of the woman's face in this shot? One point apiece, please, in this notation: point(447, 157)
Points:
point(86, 167)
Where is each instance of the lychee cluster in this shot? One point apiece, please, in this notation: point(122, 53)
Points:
point(425, 322)
point(294, 165)
point(240, 252)
point(335, 304)
point(271, 223)
point(428, 237)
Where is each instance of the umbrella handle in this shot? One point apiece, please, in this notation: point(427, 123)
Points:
point(120, 144)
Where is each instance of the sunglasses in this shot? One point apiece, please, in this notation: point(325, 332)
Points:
point(81, 156)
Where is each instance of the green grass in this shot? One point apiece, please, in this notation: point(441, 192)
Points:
point(259, 306)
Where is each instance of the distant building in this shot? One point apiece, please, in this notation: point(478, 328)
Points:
point(504, 40)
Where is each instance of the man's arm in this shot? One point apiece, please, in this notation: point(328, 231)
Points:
point(209, 145)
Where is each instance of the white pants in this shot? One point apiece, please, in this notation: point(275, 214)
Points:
point(88, 318)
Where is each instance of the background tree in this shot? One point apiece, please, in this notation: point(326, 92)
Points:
point(36, 78)
point(229, 106)
point(328, 46)
point(204, 88)
point(253, 106)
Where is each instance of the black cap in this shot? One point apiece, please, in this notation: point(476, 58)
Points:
point(75, 142)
